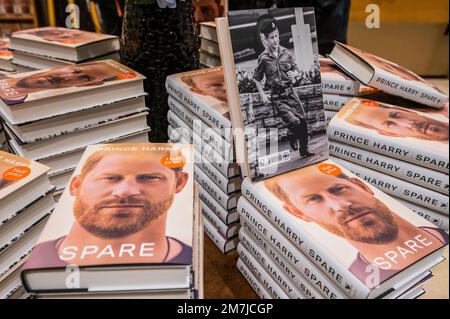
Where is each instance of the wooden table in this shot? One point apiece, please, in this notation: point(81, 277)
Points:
point(224, 281)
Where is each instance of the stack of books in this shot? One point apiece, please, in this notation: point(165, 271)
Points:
point(401, 150)
point(26, 203)
point(6, 57)
point(209, 48)
point(339, 88)
point(129, 227)
point(322, 232)
point(199, 114)
point(50, 116)
point(310, 229)
point(51, 47)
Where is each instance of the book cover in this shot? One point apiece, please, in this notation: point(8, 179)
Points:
point(410, 135)
point(208, 10)
point(71, 38)
point(16, 172)
point(274, 86)
point(386, 76)
point(358, 236)
point(29, 87)
point(126, 204)
point(203, 92)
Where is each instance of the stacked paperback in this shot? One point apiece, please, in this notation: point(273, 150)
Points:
point(51, 47)
point(209, 47)
point(199, 115)
point(26, 203)
point(51, 116)
point(401, 150)
point(129, 227)
point(311, 229)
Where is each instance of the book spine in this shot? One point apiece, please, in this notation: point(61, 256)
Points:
point(324, 260)
point(228, 186)
point(274, 266)
point(251, 279)
point(227, 216)
point(329, 116)
point(281, 250)
point(208, 135)
point(410, 90)
point(335, 102)
point(227, 231)
point(395, 149)
point(439, 220)
point(224, 245)
point(227, 201)
point(207, 114)
point(331, 85)
point(405, 171)
point(398, 188)
point(274, 282)
point(227, 169)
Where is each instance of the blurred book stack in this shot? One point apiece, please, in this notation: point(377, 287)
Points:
point(130, 227)
point(26, 202)
point(199, 115)
point(50, 116)
point(51, 47)
point(209, 48)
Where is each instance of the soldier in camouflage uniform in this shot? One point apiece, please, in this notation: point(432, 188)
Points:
point(278, 66)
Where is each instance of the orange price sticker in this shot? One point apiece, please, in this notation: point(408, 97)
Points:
point(16, 173)
point(370, 103)
point(330, 169)
point(128, 75)
point(173, 161)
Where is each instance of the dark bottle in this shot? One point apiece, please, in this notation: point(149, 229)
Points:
point(159, 40)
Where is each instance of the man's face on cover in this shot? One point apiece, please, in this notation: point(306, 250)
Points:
point(212, 84)
point(124, 193)
point(64, 36)
point(206, 10)
point(70, 76)
point(345, 207)
point(399, 122)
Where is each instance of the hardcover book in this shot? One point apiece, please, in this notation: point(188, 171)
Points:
point(363, 240)
point(21, 182)
point(393, 186)
point(386, 76)
point(272, 72)
point(66, 44)
point(409, 135)
point(38, 95)
point(125, 222)
point(335, 81)
point(418, 175)
point(203, 92)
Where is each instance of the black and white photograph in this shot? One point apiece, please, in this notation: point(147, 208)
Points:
point(278, 72)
